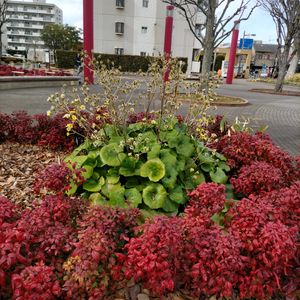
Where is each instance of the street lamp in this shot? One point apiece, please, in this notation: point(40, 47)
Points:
point(243, 43)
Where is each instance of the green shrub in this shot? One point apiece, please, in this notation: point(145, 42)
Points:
point(66, 59)
point(127, 63)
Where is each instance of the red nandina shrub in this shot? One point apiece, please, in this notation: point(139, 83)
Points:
point(36, 282)
point(256, 178)
point(214, 128)
point(21, 128)
point(154, 257)
point(212, 260)
point(269, 246)
point(55, 177)
point(206, 200)
point(47, 233)
point(242, 148)
point(4, 127)
point(55, 135)
point(93, 267)
point(140, 117)
point(9, 212)
point(285, 202)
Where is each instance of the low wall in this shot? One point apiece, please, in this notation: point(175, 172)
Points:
point(21, 82)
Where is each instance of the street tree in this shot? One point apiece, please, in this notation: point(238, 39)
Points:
point(60, 37)
point(215, 25)
point(3, 19)
point(286, 16)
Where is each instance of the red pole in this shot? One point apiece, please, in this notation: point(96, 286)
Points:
point(88, 38)
point(234, 41)
point(168, 37)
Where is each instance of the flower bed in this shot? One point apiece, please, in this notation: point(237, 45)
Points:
point(6, 70)
point(220, 245)
point(149, 205)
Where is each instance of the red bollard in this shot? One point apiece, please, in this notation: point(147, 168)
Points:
point(234, 41)
point(88, 39)
point(168, 37)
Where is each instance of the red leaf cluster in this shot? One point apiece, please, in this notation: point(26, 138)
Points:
point(243, 148)
point(154, 257)
point(93, 269)
point(206, 200)
point(258, 177)
point(36, 282)
point(56, 178)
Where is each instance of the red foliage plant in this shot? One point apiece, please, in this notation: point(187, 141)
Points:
point(212, 260)
point(57, 177)
point(154, 257)
point(242, 149)
point(93, 266)
point(269, 245)
point(36, 282)
point(206, 200)
point(140, 117)
point(256, 178)
point(47, 233)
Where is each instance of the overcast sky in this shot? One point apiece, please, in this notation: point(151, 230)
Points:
point(260, 23)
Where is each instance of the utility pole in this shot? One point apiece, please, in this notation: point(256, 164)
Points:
point(242, 55)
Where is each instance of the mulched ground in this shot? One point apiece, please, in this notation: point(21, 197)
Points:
point(18, 165)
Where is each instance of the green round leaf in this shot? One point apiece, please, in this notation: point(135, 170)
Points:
point(88, 171)
point(94, 185)
point(133, 196)
point(154, 195)
point(110, 155)
point(97, 199)
point(154, 169)
point(177, 195)
point(218, 176)
point(170, 206)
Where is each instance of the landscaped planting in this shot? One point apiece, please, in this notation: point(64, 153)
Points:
point(152, 205)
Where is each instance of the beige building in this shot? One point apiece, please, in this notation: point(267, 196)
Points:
point(136, 27)
point(26, 19)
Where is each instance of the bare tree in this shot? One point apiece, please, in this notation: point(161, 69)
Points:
point(212, 31)
point(3, 19)
point(286, 16)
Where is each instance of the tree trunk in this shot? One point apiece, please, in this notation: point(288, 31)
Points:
point(283, 67)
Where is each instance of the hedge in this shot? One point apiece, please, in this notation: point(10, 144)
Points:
point(128, 63)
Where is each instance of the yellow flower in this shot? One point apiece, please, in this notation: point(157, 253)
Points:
point(49, 113)
point(153, 122)
point(74, 118)
point(69, 126)
point(82, 107)
point(67, 116)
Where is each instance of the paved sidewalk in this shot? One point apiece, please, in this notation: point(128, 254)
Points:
point(281, 113)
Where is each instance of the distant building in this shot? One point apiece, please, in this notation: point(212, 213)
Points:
point(264, 55)
point(25, 23)
point(137, 28)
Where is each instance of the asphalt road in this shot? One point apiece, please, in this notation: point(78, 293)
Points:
point(281, 113)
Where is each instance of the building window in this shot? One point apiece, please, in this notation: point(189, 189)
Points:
point(143, 53)
point(145, 3)
point(144, 29)
point(119, 51)
point(120, 3)
point(119, 28)
point(198, 29)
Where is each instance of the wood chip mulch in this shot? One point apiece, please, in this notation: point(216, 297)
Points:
point(19, 164)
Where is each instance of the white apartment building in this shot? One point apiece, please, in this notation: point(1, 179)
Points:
point(25, 22)
point(137, 27)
